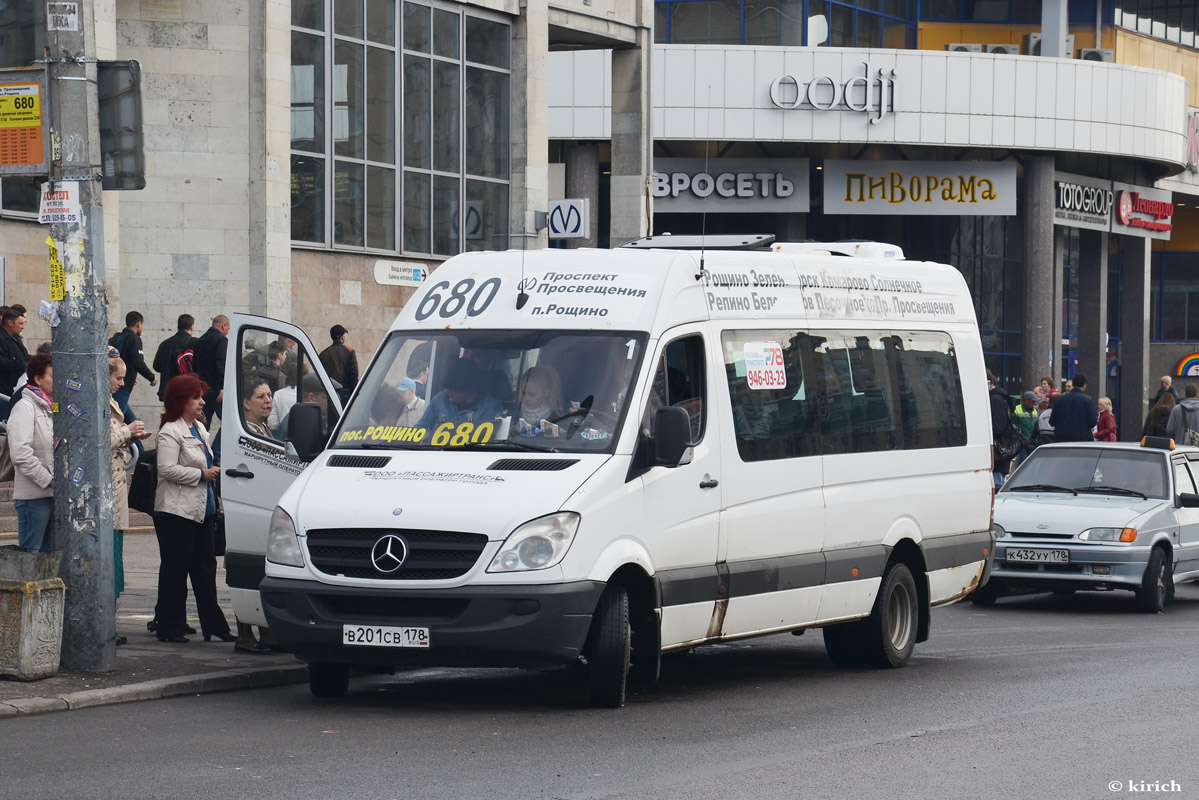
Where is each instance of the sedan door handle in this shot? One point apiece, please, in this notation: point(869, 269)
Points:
point(239, 473)
point(708, 483)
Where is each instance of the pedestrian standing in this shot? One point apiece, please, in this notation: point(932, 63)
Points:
point(1044, 427)
point(1166, 388)
point(14, 358)
point(1075, 414)
point(1025, 418)
point(340, 361)
point(211, 349)
point(129, 344)
point(185, 516)
point(1159, 416)
point(166, 358)
point(121, 437)
point(1105, 427)
point(31, 446)
point(1185, 416)
point(1001, 418)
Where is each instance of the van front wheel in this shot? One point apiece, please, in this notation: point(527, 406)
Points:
point(889, 633)
point(609, 644)
point(328, 680)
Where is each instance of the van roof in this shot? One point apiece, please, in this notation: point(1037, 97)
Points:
point(656, 289)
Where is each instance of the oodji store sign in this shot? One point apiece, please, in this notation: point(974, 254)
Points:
point(867, 93)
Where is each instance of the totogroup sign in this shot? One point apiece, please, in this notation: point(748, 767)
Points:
point(1096, 204)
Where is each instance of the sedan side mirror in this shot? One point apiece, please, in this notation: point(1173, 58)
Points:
point(304, 430)
point(672, 435)
point(1188, 500)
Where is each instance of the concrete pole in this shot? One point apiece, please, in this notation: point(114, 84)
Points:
point(1134, 337)
point(1042, 330)
point(632, 134)
point(1054, 28)
point(1092, 310)
point(82, 522)
point(530, 141)
point(582, 180)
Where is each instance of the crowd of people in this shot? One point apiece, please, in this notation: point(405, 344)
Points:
point(1044, 415)
point(189, 372)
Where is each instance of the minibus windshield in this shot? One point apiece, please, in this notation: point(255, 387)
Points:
point(551, 391)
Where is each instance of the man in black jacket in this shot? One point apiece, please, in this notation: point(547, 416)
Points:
point(129, 343)
point(1074, 414)
point(165, 362)
point(340, 361)
point(210, 364)
point(1001, 419)
point(14, 358)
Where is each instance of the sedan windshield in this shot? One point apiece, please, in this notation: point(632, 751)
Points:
point(1092, 469)
point(552, 391)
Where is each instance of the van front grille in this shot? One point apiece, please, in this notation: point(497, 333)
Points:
point(428, 555)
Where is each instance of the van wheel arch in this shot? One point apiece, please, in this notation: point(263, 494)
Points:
point(645, 623)
point(909, 553)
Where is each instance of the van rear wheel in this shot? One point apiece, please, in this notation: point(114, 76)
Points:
point(889, 633)
point(608, 647)
point(328, 680)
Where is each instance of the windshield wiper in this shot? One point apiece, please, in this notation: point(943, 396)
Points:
point(504, 445)
point(1042, 487)
point(1102, 489)
point(378, 446)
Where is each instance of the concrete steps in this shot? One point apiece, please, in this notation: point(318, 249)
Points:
point(8, 513)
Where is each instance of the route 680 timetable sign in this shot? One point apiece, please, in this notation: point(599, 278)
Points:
point(23, 137)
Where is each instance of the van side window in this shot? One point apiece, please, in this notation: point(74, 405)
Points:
point(801, 393)
point(276, 373)
point(680, 381)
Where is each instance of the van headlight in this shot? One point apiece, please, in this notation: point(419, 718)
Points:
point(538, 544)
point(1109, 535)
point(282, 543)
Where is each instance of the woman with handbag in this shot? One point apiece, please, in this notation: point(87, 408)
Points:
point(184, 515)
point(31, 444)
point(121, 437)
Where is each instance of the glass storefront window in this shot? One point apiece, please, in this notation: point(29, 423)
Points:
point(1174, 315)
point(851, 23)
point(774, 22)
point(486, 218)
point(1169, 20)
point(380, 83)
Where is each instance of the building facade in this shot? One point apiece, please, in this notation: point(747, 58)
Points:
point(305, 159)
point(1061, 187)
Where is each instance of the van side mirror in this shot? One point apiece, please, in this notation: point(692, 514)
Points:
point(672, 435)
point(305, 430)
point(1188, 500)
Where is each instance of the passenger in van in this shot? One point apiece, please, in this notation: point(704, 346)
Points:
point(256, 408)
point(414, 405)
point(540, 402)
point(462, 398)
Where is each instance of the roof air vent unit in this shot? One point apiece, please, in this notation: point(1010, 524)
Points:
point(959, 47)
point(1097, 54)
point(1004, 49)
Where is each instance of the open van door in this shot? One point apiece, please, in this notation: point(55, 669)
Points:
point(270, 366)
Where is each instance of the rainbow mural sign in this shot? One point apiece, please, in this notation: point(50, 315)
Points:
point(1188, 366)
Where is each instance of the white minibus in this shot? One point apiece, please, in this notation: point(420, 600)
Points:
point(590, 458)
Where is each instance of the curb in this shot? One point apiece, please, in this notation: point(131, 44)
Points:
point(225, 681)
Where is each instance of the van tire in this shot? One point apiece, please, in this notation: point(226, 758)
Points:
point(1155, 585)
point(608, 648)
point(843, 643)
point(889, 633)
point(328, 680)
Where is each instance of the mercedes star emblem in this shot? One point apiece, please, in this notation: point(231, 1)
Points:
point(389, 553)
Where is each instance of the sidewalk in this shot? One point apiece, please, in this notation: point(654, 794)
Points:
point(147, 669)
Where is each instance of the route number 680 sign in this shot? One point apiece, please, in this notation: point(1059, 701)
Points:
point(463, 294)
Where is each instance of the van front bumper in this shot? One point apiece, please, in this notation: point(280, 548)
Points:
point(475, 626)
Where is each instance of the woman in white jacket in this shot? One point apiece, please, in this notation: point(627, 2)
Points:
point(31, 445)
point(185, 515)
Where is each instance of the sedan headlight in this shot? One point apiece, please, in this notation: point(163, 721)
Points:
point(998, 531)
point(538, 544)
point(282, 544)
point(1109, 535)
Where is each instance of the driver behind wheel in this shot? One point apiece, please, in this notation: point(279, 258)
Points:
point(541, 403)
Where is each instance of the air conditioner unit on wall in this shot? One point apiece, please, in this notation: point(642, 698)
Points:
point(959, 47)
point(1004, 49)
point(1032, 44)
point(1097, 54)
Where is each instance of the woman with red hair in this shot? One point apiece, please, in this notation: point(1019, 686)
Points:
point(185, 515)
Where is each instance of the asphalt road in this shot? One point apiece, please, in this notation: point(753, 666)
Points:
point(1037, 697)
